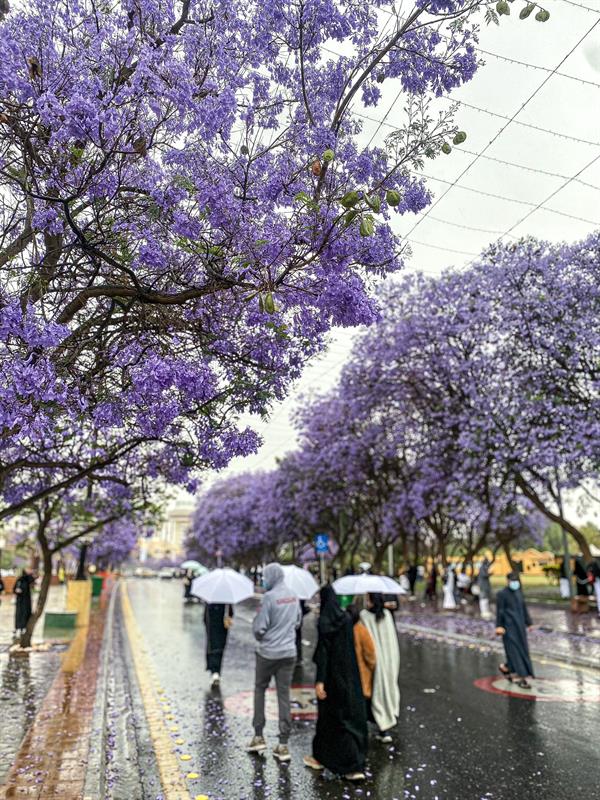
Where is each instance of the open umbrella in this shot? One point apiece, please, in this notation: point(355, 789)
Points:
point(222, 586)
point(363, 584)
point(300, 581)
point(195, 566)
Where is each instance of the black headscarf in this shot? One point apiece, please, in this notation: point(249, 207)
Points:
point(377, 605)
point(331, 616)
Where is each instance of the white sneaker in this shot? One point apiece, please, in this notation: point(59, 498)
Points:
point(385, 738)
point(281, 753)
point(257, 745)
point(216, 679)
point(355, 776)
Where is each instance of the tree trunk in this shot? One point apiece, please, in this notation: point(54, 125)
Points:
point(506, 548)
point(532, 495)
point(25, 640)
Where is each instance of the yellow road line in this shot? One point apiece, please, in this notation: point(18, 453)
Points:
point(172, 781)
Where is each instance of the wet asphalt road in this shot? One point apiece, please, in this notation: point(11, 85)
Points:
point(454, 741)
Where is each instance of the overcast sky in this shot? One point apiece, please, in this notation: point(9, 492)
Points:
point(550, 103)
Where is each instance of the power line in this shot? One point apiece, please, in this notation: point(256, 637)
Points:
point(451, 184)
point(503, 128)
point(542, 204)
point(522, 124)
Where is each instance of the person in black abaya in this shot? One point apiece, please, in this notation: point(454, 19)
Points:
point(512, 621)
point(341, 739)
point(22, 591)
point(217, 625)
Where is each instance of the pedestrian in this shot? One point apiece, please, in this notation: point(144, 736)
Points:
point(304, 610)
point(463, 584)
point(412, 573)
point(218, 618)
point(385, 699)
point(431, 585)
point(563, 580)
point(341, 739)
point(594, 577)
point(485, 588)
point(1, 588)
point(512, 621)
point(449, 601)
point(364, 647)
point(23, 606)
point(274, 628)
point(581, 578)
point(187, 586)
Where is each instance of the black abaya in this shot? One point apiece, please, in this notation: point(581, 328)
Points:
point(22, 591)
point(216, 635)
point(513, 616)
point(341, 739)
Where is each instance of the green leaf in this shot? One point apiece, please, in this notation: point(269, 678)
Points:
point(446, 148)
point(392, 197)
point(350, 199)
point(525, 12)
point(459, 138)
point(328, 155)
point(374, 202)
point(349, 217)
point(502, 7)
point(269, 303)
point(302, 197)
point(367, 226)
point(542, 15)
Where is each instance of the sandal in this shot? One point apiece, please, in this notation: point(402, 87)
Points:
point(505, 671)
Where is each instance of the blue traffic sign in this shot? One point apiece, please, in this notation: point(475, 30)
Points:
point(322, 543)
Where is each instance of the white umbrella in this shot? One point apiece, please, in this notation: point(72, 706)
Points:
point(300, 581)
point(363, 584)
point(196, 566)
point(223, 586)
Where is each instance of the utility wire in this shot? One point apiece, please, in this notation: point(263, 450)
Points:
point(505, 126)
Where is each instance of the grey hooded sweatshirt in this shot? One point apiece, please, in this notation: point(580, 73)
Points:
point(274, 626)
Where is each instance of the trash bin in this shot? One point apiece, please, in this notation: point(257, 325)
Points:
point(97, 582)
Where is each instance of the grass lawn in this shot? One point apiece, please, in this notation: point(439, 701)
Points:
point(535, 587)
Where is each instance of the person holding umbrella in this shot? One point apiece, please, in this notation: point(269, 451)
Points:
point(385, 699)
point(341, 739)
point(217, 624)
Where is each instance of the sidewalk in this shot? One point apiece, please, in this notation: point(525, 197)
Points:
point(558, 634)
point(56, 601)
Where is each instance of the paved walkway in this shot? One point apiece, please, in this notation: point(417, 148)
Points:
point(56, 601)
point(52, 759)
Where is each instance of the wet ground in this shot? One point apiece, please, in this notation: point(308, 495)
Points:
point(24, 682)
point(455, 739)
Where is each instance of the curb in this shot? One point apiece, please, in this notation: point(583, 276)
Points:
point(436, 633)
point(94, 779)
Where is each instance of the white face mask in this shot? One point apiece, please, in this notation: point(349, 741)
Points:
point(514, 585)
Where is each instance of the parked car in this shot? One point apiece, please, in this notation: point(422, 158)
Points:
point(166, 573)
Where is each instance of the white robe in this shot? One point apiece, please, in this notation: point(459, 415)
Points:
point(385, 701)
point(449, 601)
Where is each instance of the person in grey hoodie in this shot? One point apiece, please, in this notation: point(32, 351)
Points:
point(274, 628)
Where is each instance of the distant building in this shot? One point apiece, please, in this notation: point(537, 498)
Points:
point(168, 541)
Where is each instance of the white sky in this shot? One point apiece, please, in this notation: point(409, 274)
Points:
point(559, 104)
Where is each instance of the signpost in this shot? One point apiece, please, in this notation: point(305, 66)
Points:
point(322, 547)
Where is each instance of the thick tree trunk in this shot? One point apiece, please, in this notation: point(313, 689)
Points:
point(25, 640)
point(530, 493)
point(506, 548)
